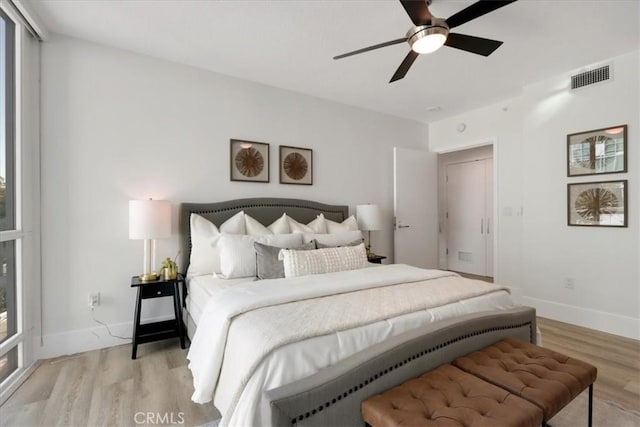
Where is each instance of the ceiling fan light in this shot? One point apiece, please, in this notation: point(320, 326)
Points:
point(429, 43)
point(428, 39)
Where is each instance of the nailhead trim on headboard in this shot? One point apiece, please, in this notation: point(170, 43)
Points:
point(418, 355)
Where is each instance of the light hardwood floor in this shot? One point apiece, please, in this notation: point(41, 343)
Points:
point(617, 359)
point(106, 387)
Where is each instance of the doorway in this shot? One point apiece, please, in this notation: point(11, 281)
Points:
point(466, 206)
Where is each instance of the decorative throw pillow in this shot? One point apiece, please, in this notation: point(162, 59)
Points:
point(323, 246)
point(254, 228)
point(318, 225)
point(238, 255)
point(234, 225)
point(268, 266)
point(205, 258)
point(280, 225)
point(349, 224)
point(303, 263)
point(334, 239)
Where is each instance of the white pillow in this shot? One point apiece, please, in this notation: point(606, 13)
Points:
point(238, 255)
point(329, 260)
point(204, 259)
point(234, 225)
point(335, 239)
point(254, 228)
point(205, 255)
point(349, 224)
point(280, 225)
point(318, 225)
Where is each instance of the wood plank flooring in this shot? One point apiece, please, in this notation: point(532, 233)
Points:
point(105, 387)
point(617, 359)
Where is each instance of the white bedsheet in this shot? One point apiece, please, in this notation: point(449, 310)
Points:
point(201, 289)
point(310, 355)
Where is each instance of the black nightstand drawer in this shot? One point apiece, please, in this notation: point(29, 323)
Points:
point(157, 290)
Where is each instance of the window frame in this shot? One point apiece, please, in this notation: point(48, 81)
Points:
point(14, 170)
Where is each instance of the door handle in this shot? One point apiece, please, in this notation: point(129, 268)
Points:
point(481, 225)
point(404, 226)
point(488, 224)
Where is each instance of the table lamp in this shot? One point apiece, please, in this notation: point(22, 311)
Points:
point(369, 219)
point(149, 220)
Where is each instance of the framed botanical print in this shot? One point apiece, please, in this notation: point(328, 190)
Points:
point(296, 165)
point(599, 204)
point(249, 161)
point(597, 152)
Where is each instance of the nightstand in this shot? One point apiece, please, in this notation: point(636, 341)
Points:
point(155, 331)
point(376, 259)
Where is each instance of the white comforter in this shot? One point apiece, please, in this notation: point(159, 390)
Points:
point(247, 331)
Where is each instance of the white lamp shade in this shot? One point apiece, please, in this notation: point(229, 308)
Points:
point(369, 217)
point(149, 219)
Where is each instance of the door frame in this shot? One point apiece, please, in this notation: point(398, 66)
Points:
point(493, 141)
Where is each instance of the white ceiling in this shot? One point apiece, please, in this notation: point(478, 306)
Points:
point(290, 45)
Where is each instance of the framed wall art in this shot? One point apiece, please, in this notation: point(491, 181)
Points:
point(597, 152)
point(296, 165)
point(249, 161)
point(597, 204)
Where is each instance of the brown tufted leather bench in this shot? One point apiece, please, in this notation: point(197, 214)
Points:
point(548, 379)
point(448, 396)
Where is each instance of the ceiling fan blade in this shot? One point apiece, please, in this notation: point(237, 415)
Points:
point(484, 47)
point(418, 11)
point(404, 67)
point(375, 46)
point(474, 11)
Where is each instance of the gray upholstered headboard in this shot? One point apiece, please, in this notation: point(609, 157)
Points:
point(265, 210)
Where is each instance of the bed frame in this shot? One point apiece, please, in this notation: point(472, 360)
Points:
point(332, 397)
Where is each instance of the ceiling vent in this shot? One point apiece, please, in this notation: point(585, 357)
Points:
point(591, 77)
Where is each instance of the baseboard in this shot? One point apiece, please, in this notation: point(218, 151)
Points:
point(602, 321)
point(80, 340)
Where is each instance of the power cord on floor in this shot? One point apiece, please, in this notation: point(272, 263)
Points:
point(106, 326)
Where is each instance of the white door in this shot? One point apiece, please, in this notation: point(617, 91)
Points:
point(415, 203)
point(466, 220)
point(488, 173)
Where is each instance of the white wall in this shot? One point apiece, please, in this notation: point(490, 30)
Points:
point(120, 126)
point(537, 251)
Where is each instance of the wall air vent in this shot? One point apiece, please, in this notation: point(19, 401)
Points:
point(590, 77)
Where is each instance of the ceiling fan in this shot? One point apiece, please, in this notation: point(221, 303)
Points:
point(429, 33)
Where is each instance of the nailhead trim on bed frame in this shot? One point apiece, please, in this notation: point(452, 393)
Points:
point(404, 362)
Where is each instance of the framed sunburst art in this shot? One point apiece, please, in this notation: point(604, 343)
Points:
point(598, 204)
point(296, 165)
point(249, 161)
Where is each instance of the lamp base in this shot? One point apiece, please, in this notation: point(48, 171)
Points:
point(149, 277)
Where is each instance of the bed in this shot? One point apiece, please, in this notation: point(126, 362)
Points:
point(307, 350)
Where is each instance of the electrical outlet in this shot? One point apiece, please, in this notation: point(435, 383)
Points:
point(569, 283)
point(94, 299)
